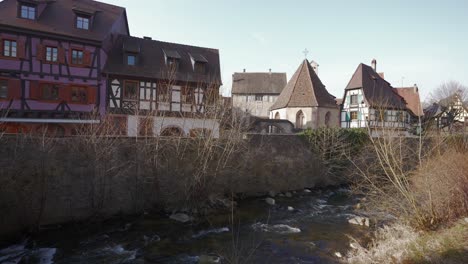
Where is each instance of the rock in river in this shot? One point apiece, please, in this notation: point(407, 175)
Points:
point(180, 217)
point(270, 201)
point(359, 220)
point(288, 194)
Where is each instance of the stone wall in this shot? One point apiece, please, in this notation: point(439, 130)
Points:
point(49, 181)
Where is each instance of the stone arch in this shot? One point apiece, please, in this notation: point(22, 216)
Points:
point(172, 131)
point(327, 119)
point(300, 119)
point(277, 115)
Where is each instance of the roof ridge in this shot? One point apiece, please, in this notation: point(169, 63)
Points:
point(170, 43)
point(294, 84)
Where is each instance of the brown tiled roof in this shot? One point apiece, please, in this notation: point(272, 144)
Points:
point(151, 61)
point(258, 82)
point(377, 91)
point(58, 17)
point(304, 90)
point(411, 96)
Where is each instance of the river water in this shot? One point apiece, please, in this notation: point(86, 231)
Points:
point(312, 232)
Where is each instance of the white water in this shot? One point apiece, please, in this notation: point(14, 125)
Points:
point(211, 231)
point(278, 228)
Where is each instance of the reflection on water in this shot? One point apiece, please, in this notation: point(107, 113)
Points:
point(312, 232)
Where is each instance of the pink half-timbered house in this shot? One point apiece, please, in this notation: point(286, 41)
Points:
point(51, 58)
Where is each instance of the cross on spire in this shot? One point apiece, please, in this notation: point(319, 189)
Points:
point(305, 53)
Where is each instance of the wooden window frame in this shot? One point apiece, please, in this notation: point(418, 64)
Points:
point(10, 50)
point(20, 11)
point(199, 67)
point(351, 99)
point(52, 49)
point(187, 95)
point(85, 88)
point(82, 58)
point(167, 93)
point(78, 16)
point(258, 96)
point(7, 89)
point(137, 90)
point(41, 90)
point(351, 113)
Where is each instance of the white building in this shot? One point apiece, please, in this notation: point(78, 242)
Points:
point(371, 102)
point(306, 102)
point(255, 92)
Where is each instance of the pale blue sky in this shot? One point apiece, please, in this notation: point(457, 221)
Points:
point(423, 42)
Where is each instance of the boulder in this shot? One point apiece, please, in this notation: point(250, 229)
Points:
point(307, 191)
point(180, 217)
point(354, 245)
point(290, 208)
point(272, 194)
point(359, 220)
point(288, 194)
point(338, 255)
point(270, 201)
point(280, 195)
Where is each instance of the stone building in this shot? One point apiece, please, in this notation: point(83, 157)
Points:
point(255, 92)
point(306, 102)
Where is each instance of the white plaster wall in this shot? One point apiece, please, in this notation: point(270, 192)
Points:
point(291, 112)
point(247, 103)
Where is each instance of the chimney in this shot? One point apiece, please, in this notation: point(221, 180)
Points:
point(147, 38)
point(416, 89)
point(244, 70)
point(374, 65)
point(270, 70)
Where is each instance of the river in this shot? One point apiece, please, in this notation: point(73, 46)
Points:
point(312, 231)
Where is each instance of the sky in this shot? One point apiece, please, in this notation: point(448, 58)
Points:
point(414, 42)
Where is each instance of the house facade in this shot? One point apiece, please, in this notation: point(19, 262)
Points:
point(255, 93)
point(305, 101)
point(161, 88)
point(51, 58)
point(371, 102)
point(448, 115)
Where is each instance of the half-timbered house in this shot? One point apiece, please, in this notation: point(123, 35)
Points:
point(161, 88)
point(371, 102)
point(51, 59)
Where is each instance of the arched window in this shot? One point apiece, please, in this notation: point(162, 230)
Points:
point(277, 115)
point(300, 119)
point(327, 119)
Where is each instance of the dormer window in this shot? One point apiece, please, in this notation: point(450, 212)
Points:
point(172, 59)
point(131, 60)
point(82, 22)
point(199, 63)
point(28, 11)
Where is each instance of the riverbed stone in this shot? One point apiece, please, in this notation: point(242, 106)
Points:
point(290, 208)
point(208, 259)
point(181, 217)
point(359, 220)
point(288, 194)
point(307, 191)
point(270, 201)
point(338, 255)
point(272, 194)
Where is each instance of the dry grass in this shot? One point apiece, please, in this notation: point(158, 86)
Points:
point(400, 243)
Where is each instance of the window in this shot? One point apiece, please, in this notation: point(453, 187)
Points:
point(77, 57)
point(51, 54)
point(3, 89)
point(172, 63)
point(163, 93)
point(9, 48)
point(199, 67)
point(131, 60)
point(400, 117)
point(354, 115)
point(258, 97)
point(379, 115)
point(79, 95)
point(354, 99)
point(50, 91)
point(28, 12)
point(187, 95)
point(327, 119)
point(131, 90)
point(300, 119)
point(82, 22)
